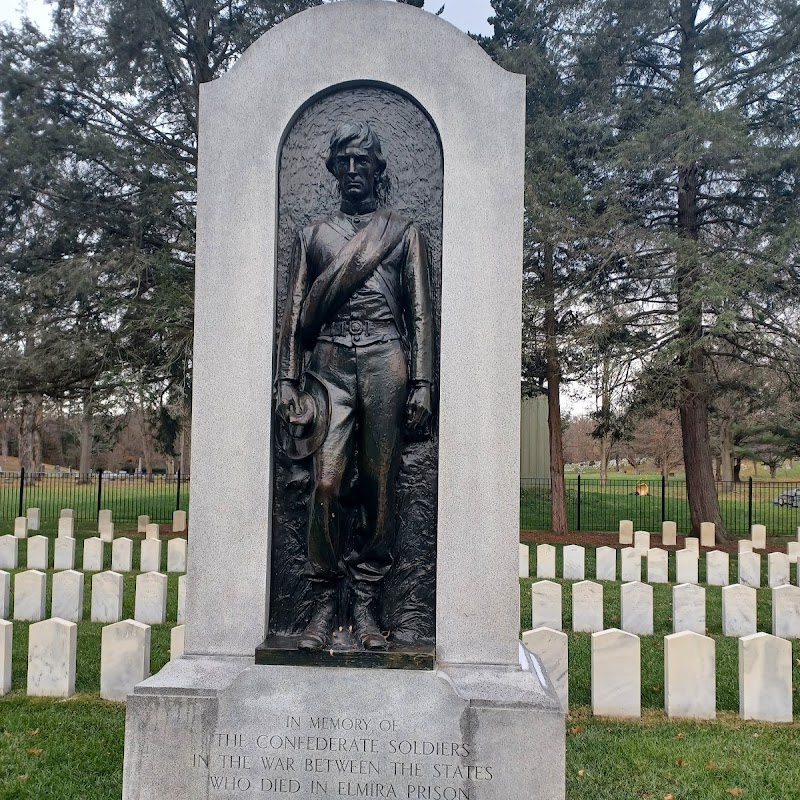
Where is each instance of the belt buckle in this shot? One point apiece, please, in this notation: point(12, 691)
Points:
point(356, 329)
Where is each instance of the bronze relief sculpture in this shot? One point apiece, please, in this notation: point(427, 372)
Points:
point(354, 381)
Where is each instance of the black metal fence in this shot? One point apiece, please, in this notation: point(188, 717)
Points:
point(128, 496)
point(592, 506)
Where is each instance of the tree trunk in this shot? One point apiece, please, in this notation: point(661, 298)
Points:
point(558, 496)
point(737, 470)
point(87, 436)
point(146, 449)
point(773, 471)
point(693, 389)
point(726, 452)
point(30, 433)
point(605, 417)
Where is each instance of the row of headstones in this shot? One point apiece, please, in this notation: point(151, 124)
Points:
point(38, 554)
point(739, 616)
point(30, 595)
point(765, 673)
point(52, 655)
point(105, 524)
point(669, 535)
point(687, 565)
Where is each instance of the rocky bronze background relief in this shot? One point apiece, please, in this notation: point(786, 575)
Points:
point(403, 598)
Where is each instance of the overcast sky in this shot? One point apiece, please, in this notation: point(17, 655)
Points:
point(469, 15)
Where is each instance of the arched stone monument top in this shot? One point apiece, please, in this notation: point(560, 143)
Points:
point(402, 30)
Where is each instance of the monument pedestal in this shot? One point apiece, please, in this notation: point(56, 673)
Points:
point(215, 727)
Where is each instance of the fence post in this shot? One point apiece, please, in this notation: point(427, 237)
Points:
point(99, 491)
point(750, 504)
point(579, 501)
point(21, 490)
point(663, 497)
point(178, 498)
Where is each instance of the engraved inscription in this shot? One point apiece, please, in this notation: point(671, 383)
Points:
point(329, 756)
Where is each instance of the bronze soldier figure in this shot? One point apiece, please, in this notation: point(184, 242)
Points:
point(356, 352)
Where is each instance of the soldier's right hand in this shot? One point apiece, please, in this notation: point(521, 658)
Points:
point(292, 408)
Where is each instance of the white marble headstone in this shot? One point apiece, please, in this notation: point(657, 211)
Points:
point(692, 543)
point(669, 533)
point(750, 569)
point(5, 594)
point(178, 521)
point(153, 530)
point(52, 651)
point(38, 552)
point(758, 536)
point(150, 555)
point(689, 608)
point(637, 608)
point(151, 598)
point(708, 532)
point(616, 674)
point(641, 542)
point(68, 595)
point(718, 568)
point(6, 635)
point(777, 569)
point(546, 605)
point(181, 618)
point(106, 530)
point(9, 552)
point(587, 607)
point(122, 555)
point(786, 612)
point(64, 553)
point(107, 597)
point(142, 521)
point(93, 551)
point(631, 564)
point(30, 590)
point(66, 527)
point(177, 639)
point(552, 647)
point(765, 678)
point(33, 515)
point(545, 561)
point(524, 561)
point(176, 555)
point(686, 566)
point(657, 566)
point(574, 562)
point(606, 564)
point(626, 531)
point(124, 658)
point(690, 680)
point(738, 610)
point(21, 527)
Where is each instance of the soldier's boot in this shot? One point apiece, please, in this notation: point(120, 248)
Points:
point(364, 624)
point(317, 633)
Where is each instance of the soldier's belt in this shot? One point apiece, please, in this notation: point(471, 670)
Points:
point(356, 328)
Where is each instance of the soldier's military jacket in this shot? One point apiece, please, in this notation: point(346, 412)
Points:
point(355, 280)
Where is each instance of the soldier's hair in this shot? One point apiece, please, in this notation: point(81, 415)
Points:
point(360, 133)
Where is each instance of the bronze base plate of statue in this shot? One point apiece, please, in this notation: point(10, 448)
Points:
point(345, 651)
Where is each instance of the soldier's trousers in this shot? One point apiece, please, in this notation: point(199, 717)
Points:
point(368, 389)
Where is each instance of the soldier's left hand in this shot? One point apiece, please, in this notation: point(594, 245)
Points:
point(419, 409)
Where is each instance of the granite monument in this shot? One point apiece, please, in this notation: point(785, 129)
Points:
point(433, 511)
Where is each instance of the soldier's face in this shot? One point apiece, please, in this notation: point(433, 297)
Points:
point(355, 170)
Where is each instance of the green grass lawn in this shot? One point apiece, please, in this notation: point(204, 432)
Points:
point(72, 749)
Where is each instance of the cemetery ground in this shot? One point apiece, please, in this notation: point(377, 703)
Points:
point(72, 749)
